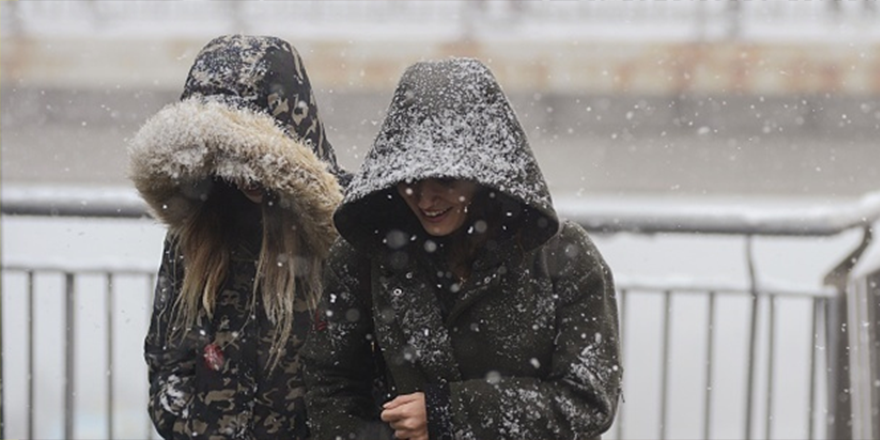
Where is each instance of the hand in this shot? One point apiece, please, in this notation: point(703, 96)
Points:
point(407, 416)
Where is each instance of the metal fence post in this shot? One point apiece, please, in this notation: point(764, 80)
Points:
point(864, 336)
point(2, 419)
point(69, 355)
point(873, 293)
point(839, 424)
point(753, 336)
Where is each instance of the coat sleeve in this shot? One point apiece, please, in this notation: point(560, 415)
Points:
point(578, 399)
point(171, 367)
point(338, 354)
point(188, 399)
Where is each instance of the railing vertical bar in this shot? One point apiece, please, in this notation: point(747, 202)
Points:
point(771, 346)
point(70, 327)
point(753, 335)
point(664, 367)
point(622, 312)
point(30, 354)
point(710, 353)
point(2, 393)
point(151, 286)
point(110, 375)
point(811, 405)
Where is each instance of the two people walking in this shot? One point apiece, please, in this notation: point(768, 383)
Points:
point(454, 303)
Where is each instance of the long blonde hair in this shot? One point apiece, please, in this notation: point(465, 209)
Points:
point(205, 241)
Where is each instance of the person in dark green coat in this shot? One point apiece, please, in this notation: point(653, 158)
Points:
point(243, 176)
point(489, 317)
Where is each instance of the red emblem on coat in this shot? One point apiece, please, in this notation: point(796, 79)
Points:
point(213, 357)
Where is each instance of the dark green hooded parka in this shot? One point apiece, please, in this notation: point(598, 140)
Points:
point(526, 347)
point(247, 114)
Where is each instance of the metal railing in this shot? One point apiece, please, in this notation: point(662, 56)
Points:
point(766, 299)
point(864, 344)
point(829, 375)
point(70, 277)
point(834, 306)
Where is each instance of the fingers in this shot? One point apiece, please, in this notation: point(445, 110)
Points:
point(396, 408)
point(389, 416)
point(410, 434)
point(407, 417)
point(398, 414)
point(403, 430)
point(401, 399)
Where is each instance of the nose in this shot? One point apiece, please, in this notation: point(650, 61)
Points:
point(427, 193)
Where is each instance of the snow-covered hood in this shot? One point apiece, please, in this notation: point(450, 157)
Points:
point(446, 119)
point(247, 114)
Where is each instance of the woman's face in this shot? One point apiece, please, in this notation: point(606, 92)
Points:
point(439, 204)
point(253, 192)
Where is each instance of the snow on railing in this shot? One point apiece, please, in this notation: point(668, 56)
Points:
point(711, 217)
point(599, 214)
point(67, 201)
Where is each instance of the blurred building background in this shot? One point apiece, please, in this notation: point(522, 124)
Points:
point(723, 153)
point(653, 96)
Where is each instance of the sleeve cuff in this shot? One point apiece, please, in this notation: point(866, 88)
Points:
point(439, 412)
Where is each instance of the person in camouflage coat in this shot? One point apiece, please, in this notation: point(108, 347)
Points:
point(242, 174)
point(492, 318)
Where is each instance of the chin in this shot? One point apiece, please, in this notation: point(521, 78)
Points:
point(437, 232)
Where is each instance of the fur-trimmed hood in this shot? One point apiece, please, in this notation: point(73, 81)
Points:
point(241, 128)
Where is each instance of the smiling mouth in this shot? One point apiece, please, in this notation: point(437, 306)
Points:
point(435, 215)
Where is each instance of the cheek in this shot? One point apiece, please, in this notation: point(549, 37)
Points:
point(465, 194)
point(411, 203)
point(255, 198)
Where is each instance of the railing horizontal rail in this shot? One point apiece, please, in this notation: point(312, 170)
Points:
point(78, 269)
point(660, 286)
point(598, 215)
point(703, 217)
point(115, 202)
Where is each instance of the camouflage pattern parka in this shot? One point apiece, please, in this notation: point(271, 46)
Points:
point(526, 347)
point(247, 114)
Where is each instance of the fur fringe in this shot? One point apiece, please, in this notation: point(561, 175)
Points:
point(188, 142)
